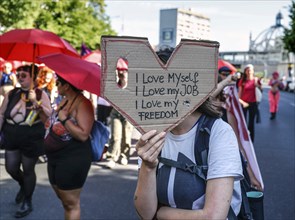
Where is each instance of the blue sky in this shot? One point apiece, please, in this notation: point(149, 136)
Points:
point(231, 21)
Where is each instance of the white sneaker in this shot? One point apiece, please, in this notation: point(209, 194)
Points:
point(111, 164)
point(124, 161)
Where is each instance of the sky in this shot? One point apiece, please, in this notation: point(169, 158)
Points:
point(231, 21)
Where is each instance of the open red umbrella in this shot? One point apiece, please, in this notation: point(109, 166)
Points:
point(27, 44)
point(222, 63)
point(80, 73)
point(94, 57)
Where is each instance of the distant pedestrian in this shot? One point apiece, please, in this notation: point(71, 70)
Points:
point(121, 128)
point(274, 94)
point(247, 97)
point(8, 80)
point(120, 141)
point(46, 81)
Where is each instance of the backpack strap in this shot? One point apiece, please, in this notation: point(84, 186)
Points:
point(202, 141)
point(201, 150)
point(194, 169)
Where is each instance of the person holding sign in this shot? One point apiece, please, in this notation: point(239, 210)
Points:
point(166, 192)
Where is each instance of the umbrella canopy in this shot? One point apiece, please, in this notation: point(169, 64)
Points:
point(80, 73)
point(27, 44)
point(222, 63)
point(94, 57)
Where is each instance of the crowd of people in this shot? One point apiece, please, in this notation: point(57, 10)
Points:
point(53, 119)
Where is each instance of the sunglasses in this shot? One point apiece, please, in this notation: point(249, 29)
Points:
point(22, 75)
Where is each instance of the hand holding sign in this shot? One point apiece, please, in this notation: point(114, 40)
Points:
point(158, 96)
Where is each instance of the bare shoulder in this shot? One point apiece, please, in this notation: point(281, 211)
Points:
point(85, 104)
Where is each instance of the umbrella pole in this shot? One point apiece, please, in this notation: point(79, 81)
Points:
point(33, 67)
point(33, 113)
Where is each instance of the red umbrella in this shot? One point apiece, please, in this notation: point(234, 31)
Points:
point(80, 73)
point(222, 63)
point(94, 57)
point(27, 44)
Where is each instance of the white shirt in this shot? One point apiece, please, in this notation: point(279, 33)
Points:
point(181, 189)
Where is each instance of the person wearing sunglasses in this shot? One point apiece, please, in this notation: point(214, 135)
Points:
point(19, 105)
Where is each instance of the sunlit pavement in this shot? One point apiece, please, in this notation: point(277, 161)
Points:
point(107, 194)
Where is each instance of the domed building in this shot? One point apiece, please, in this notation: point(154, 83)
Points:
point(266, 52)
point(268, 45)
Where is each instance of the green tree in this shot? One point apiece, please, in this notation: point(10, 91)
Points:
point(77, 21)
point(11, 11)
point(289, 38)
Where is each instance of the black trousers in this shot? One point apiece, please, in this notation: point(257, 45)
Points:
point(250, 114)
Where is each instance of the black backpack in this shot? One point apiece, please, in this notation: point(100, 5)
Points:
point(201, 154)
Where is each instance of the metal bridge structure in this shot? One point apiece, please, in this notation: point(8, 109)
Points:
point(266, 52)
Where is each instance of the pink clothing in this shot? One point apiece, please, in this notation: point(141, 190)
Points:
point(275, 85)
point(248, 90)
point(273, 98)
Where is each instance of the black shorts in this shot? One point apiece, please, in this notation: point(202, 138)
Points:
point(68, 168)
point(28, 139)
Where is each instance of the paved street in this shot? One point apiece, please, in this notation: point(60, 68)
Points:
point(275, 150)
point(108, 194)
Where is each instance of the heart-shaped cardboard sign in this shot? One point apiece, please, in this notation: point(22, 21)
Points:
point(158, 96)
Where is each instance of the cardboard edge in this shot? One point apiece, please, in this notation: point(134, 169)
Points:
point(142, 40)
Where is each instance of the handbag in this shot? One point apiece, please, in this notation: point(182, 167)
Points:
point(99, 136)
point(258, 94)
point(53, 142)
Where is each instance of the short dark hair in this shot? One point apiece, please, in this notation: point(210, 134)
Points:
point(63, 81)
point(29, 68)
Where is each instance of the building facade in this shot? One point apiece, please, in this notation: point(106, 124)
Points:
point(176, 24)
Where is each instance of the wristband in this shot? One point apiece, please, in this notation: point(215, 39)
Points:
point(64, 121)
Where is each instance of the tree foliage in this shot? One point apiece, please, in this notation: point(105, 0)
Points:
point(289, 38)
point(77, 21)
